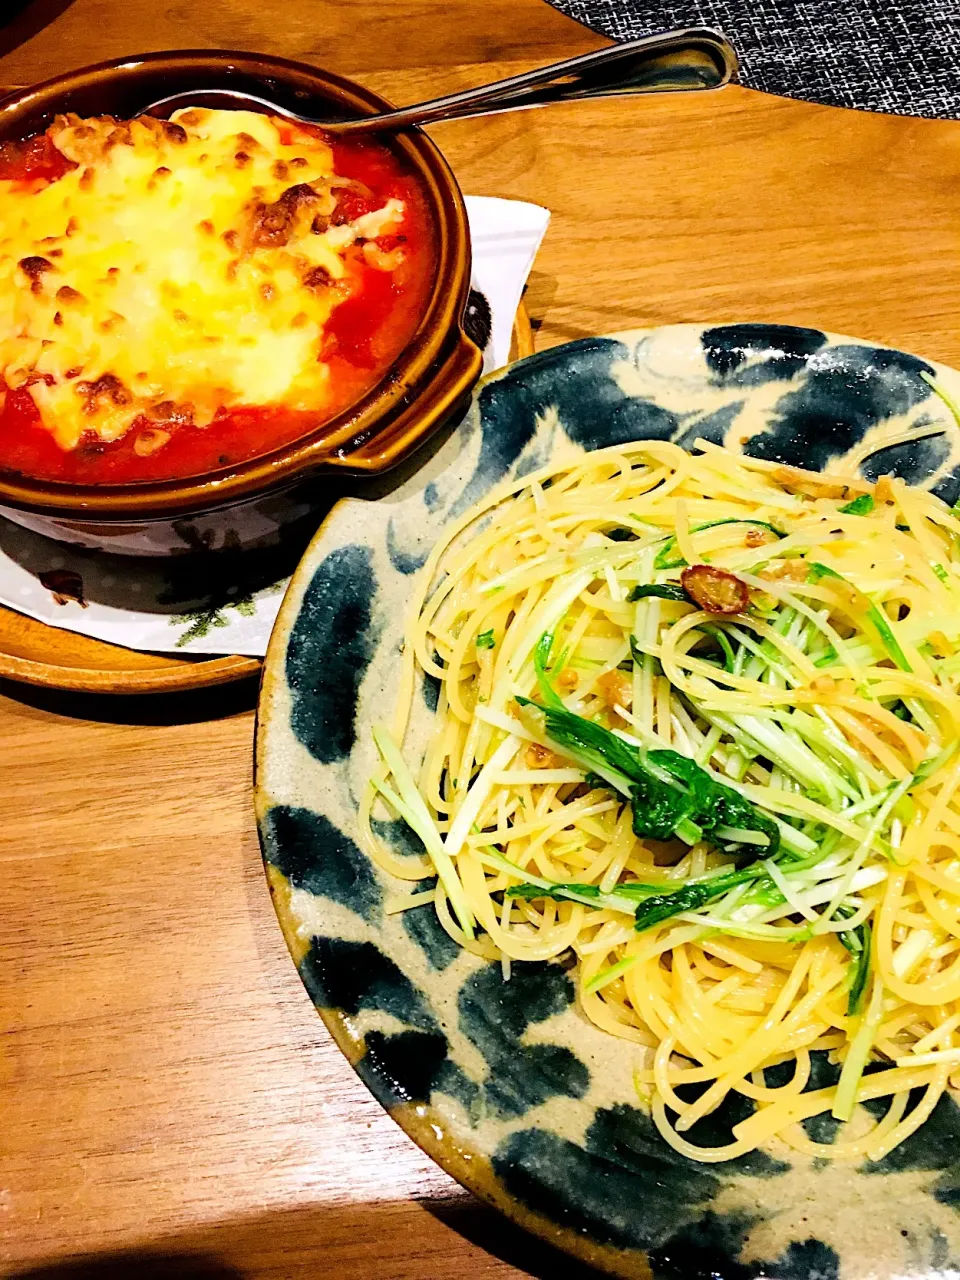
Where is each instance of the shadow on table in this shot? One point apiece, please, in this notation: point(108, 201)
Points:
point(486, 1228)
point(386, 1241)
point(188, 707)
point(135, 1266)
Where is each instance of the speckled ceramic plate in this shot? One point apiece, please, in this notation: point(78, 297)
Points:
point(505, 1084)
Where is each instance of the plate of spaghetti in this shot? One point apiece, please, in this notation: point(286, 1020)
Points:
point(609, 794)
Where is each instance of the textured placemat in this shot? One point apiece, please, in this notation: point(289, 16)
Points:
point(879, 55)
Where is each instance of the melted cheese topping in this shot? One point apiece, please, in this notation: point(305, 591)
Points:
point(182, 267)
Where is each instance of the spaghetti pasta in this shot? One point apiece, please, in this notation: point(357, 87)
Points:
point(742, 822)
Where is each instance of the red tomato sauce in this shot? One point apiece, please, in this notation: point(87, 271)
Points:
point(34, 161)
point(365, 334)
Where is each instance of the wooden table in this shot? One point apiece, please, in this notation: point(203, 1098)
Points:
point(166, 1089)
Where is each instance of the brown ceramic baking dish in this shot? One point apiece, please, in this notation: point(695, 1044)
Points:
point(432, 375)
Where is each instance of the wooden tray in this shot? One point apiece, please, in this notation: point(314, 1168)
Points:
point(36, 653)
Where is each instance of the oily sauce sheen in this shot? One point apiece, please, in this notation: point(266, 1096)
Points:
point(375, 312)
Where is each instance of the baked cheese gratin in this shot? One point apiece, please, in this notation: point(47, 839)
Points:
point(178, 295)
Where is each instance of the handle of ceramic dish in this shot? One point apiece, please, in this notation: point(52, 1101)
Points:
point(421, 418)
point(694, 58)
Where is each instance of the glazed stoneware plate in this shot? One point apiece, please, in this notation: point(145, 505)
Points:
point(504, 1083)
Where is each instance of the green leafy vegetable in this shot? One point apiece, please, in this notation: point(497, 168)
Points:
point(861, 971)
point(660, 811)
point(858, 1055)
point(648, 901)
point(663, 591)
point(485, 640)
point(890, 641)
point(874, 613)
point(623, 896)
point(941, 572)
point(858, 942)
point(410, 805)
point(557, 892)
point(664, 558)
point(637, 890)
point(690, 897)
point(542, 666)
point(861, 506)
point(718, 634)
point(817, 571)
point(536, 887)
point(590, 742)
point(715, 804)
point(670, 793)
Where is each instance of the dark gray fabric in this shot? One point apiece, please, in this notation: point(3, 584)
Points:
point(879, 55)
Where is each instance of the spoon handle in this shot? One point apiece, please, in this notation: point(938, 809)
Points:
point(696, 58)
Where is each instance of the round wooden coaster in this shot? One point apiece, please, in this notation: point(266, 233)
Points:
point(36, 653)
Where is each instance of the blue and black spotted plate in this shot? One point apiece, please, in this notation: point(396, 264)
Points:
point(505, 1084)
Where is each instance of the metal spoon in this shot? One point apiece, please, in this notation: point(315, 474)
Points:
point(697, 58)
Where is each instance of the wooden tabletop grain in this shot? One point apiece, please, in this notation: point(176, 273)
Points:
point(170, 1104)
